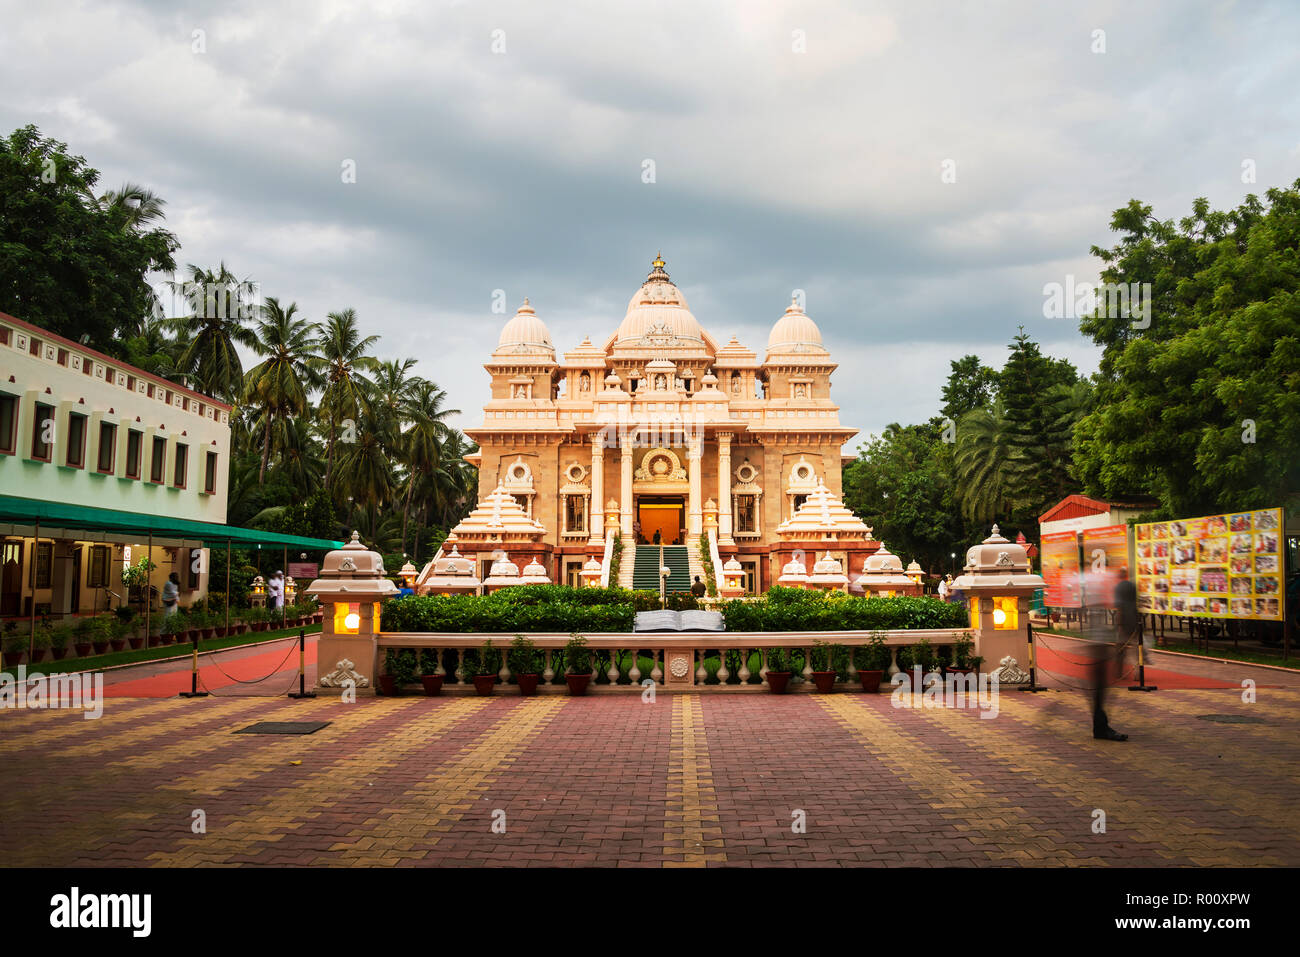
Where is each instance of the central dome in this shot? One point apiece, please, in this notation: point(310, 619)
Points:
point(657, 314)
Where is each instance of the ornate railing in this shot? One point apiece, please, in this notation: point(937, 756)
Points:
point(618, 658)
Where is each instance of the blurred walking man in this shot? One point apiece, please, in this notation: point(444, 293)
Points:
point(1106, 654)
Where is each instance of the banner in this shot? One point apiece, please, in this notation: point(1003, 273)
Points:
point(1060, 570)
point(1218, 566)
point(1105, 552)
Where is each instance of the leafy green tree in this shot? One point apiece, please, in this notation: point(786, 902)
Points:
point(1202, 407)
point(68, 262)
point(971, 385)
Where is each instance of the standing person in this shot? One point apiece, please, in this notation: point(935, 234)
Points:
point(171, 594)
point(943, 589)
point(1105, 653)
point(698, 588)
point(275, 590)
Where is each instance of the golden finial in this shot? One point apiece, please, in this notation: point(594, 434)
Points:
point(659, 260)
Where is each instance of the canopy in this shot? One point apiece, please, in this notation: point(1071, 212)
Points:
point(29, 511)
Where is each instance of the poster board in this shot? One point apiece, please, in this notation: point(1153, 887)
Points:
point(1060, 570)
point(1215, 566)
point(1105, 553)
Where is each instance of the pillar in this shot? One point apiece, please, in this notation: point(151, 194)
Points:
point(724, 489)
point(597, 516)
point(625, 492)
point(693, 454)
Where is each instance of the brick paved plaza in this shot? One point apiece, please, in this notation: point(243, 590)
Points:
point(689, 780)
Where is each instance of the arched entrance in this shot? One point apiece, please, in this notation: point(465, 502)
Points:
point(664, 515)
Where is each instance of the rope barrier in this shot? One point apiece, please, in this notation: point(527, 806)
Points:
point(196, 679)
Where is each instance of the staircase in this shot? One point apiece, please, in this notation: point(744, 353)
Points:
point(696, 562)
point(645, 568)
point(626, 564)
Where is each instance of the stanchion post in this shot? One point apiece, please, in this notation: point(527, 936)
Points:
point(302, 691)
point(1033, 685)
point(1142, 669)
point(194, 691)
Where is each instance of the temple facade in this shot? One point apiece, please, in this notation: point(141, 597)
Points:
point(659, 435)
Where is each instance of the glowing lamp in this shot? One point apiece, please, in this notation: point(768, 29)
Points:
point(1005, 612)
point(999, 617)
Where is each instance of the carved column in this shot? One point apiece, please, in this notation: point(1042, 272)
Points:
point(724, 489)
point(694, 453)
point(626, 491)
point(597, 517)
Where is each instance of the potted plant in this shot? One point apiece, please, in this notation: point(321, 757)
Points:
point(41, 644)
point(577, 665)
point(429, 677)
point(15, 646)
point(399, 670)
point(206, 622)
point(525, 664)
point(101, 633)
point(60, 635)
point(779, 665)
point(823, 666)
point(81, 637)
point(485, 671)
point(871, 660)
point(127, 627)
point(167, 629)
point(962, 663)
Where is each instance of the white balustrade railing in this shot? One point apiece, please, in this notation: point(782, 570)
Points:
point(617, 658)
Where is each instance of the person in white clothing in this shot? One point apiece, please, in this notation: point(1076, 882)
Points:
point(943, 589)
point(275, 590)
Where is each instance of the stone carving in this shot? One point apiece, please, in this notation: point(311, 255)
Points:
point(347, 565)
point(1004, 559)
point(1010, 672)
point(344, 671)
point(679, 667)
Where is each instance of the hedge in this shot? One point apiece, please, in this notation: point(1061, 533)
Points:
point(561, 608)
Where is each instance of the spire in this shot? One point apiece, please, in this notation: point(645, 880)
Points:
point(657, 271)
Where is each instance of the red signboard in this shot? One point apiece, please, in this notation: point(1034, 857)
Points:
point(1060, 570)
point(299, 570)
point(1105, 552)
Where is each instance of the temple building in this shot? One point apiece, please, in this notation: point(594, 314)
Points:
point(659, 436)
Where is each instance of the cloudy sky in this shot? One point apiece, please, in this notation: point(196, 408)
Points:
point(504, 145)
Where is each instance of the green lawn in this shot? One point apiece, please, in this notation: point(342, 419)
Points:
point(167, 652)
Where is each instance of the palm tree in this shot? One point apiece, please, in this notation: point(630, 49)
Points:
point(138, 206)
point(341, 359)
point(990, 470)
point(297, 451)
point(424, 444)
point(280, 383)
point(220, 307)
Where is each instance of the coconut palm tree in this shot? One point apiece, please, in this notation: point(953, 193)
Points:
point(425, 439)
point(221, 307)
point(280, 383)
point(342, 361)
point(991, 470)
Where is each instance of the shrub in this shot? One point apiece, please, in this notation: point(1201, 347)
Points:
point(529, 608)
point(873, 656)
point(577, 656)
point(524, 658)
point(825, 656)
point(400, 664)
point(792, 609)
point(779, 659)
point(489, 660)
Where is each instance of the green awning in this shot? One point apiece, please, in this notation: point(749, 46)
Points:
point(29, 511)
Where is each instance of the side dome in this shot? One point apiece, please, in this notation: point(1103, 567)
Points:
point(657, 314)
point(795, 332)
point(525, 334)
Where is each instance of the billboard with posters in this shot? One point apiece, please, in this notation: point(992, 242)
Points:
point(1217, 566)
point(1060, 570)
point(1105, 552)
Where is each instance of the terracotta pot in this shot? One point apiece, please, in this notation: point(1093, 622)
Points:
point(14, 657)
point(136, 643)
point(432, 684)
point(219, 631)
point(485, 684)
point(59, 653)
point(82, 648)
point(118, 644)
point(37, 655)
point(959, 671)
point(101, 647)
point(527, 685)
point(577, 684)
point(208, 633)
point(871, 680)
point(777, 681)
point(388, 686)
point(824, 680)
